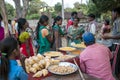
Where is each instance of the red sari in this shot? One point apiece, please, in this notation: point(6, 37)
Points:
point(24, 50)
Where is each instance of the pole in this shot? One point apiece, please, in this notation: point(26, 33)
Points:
point(63, 11)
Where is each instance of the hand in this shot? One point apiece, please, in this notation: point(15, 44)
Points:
point(105, 36)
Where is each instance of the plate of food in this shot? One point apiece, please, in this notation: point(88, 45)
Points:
point(53, 54)
point(63, 68)
point(65, 57)
point(82, 45)
point(69, 49)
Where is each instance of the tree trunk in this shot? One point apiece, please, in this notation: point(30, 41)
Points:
point(18, 8)
point(4, 15)
point(25, 7)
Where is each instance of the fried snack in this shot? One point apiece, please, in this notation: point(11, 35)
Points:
point(47, 65)
point(62, 69)
point(27, 69)
point(82, 45)
point(54, 62)
point(38, 74)
point(67, 49)
point(36, 66)
point(31, 61)
point(44, 72)
point(40, 57)
point(35, 58)
point(33, 70)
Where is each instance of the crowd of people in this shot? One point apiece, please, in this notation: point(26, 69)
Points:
point(96, 59)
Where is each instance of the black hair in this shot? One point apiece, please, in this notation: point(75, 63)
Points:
point(58, 18)
point(73, 13)
point(41, 21)
point(9, 21)
point(107, 21)
point(21, 23)
point(116, 10)
point(1, 18)
point(8, 45)
point(91, 15)
point(77, 18)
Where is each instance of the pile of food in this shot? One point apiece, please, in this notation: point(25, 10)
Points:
point(63, 68)
point(53, 54)
point(82, 45)
point(65, 57)
point(67, 49)
point(39, 64)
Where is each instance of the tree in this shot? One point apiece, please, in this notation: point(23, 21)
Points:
point(10, 11)
point(77, 5)
point(58, 7)
point(106, 5)
point(3, 11)
point(21, 11)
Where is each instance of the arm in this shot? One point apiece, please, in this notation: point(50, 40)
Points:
point(82, 65)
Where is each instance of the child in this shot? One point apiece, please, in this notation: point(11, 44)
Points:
point(9, 69)
point(44, 38)
point(26, 47)
point(57, 43)
point(105, 30)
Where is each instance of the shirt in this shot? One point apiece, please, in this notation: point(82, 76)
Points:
point(16, 72)
point(116, 30)
point(95, 61)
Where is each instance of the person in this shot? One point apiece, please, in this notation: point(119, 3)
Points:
point(9, 69)
point(2, 33)
point(14, 24)
point(75, 32)
point(10, 27)
point(24, 38)
point(70, 21)
point(92, 26)
point(57, 43)
point(95, 59)
point(115, 36)
point(44, 37)
point(105, 30)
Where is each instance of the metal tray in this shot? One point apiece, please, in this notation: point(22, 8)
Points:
point(64, 64)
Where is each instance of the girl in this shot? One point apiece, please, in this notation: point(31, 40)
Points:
point(57, 43)
point(75, 32)
point(43, 35)
point(24, 38)
point(9, 69)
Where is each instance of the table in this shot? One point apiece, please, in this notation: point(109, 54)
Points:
point(74, 76)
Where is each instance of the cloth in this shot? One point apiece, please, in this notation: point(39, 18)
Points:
point(2, 33)
point(10, 28)
point(95, 61)
point(75, 32)
point(60, 32)
point(70, 22)
point(16, 72)
point(43, 41)
point(116, 30)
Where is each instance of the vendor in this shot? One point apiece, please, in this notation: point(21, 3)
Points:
point(95, 59)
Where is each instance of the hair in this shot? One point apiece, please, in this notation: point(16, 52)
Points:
point(1, 18)
point(7, 48)
point(77, 18)
point(92, 16)
point(116, 10)
point(9, 21)
point(58, 18)
point(107, 21)
point(21, 23)
point(41, 21)
point(73, 13)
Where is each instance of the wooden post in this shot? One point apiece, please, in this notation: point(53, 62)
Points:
point(4, 15)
